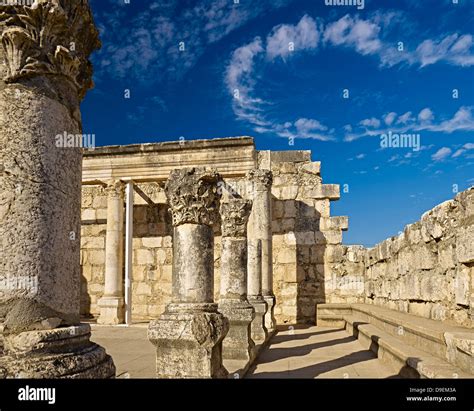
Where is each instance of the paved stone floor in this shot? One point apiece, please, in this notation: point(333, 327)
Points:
point(317, 352)
point(303, 352)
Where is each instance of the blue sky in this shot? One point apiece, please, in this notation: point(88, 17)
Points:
point(302, 75)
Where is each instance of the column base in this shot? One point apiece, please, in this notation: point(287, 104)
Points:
point(112, 310)
point(58, 353)
point(238, 343)
point(189, 342)
point(270, 321)
point(259, 331)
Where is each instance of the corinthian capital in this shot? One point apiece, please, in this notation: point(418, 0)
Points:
point(262, 179)
point(234, 216)
point(49, 37)
point(115, 188)
point(193, 195)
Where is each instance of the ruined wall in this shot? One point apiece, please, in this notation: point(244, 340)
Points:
point(302, 231)
point(427, 270)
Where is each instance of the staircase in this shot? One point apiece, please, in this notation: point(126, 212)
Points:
point(413, 346)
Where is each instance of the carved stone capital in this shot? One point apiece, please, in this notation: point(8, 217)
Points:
point(49, 37)
point(193, 196)
point(234, 216)
point(115, 188)
point(262, 179)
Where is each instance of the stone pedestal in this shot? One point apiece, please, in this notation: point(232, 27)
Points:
point(112, 305)
point(43, 80)
point(260, 228)
point(188, 335)
point(255, 298)
point(233, 303)
point(57, 353)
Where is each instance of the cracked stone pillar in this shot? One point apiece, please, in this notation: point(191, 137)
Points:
point(112, 304)
point(254, 290)
point(233, 303)
point(260, 228)
point(188, 335)
point(44, 75)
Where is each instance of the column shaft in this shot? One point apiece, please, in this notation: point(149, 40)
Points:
point(112, 304)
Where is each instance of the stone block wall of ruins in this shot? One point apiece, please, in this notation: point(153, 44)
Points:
point(303, 233)
point(427, 270)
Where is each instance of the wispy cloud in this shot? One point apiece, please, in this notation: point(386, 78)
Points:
point(463, 120)
point(166, 39)
point(441, 154)
point(240, 80)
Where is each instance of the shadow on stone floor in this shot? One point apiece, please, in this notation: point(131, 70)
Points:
point(312, 371)
point(273, 354)
point(284, 336)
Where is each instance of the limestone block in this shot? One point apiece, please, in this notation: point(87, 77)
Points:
point(434, 287)
point(88, 214)
point(330, 191)
point(413, 233)
point(423, 258)
point(151, 242)
point(167, 241)
point(312, 168)
point(93, 242)
point(334, 223)
point(96, 257)
point(145, 256)
point(289, 192)
point(334, 253)
point(290, 209)
point(278, 209)
point(305, 238)
point(286, 256)
point(465, 244)
point(162, 256)
point(420, 309)
point(461, 286)
point(288, 224)
point(446, 256)
point(143, 289)
point(410, 287)
point(101, 214)
point(323, 207)
point(355, 253)
point(290, 239)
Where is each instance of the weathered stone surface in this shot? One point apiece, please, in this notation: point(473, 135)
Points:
point(54, 353)
point(189, 343)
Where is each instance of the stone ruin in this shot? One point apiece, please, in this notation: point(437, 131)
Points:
point(211, 241)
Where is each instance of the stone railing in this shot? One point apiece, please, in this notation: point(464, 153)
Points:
point(427, 270)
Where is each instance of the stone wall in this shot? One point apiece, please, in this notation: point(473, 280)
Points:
point(302, 231)
point(427, 270)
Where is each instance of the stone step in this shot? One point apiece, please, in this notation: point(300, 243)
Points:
point(406, 360)
point(450, 343)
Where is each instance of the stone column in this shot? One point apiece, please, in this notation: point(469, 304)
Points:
point(44, 75)
point(254, 290)
point(233, 303)
point(112, 305)
point(261, 229)
point(188, 335)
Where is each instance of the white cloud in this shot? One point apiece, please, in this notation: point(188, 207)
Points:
point(463, 149)
point(353, 32)
point(303, 36)
point(425, 115)
point(360, 156)
point(463, 120)
point(441, 154)
point(390, 118)
point(453, 48)
point(369, 122)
